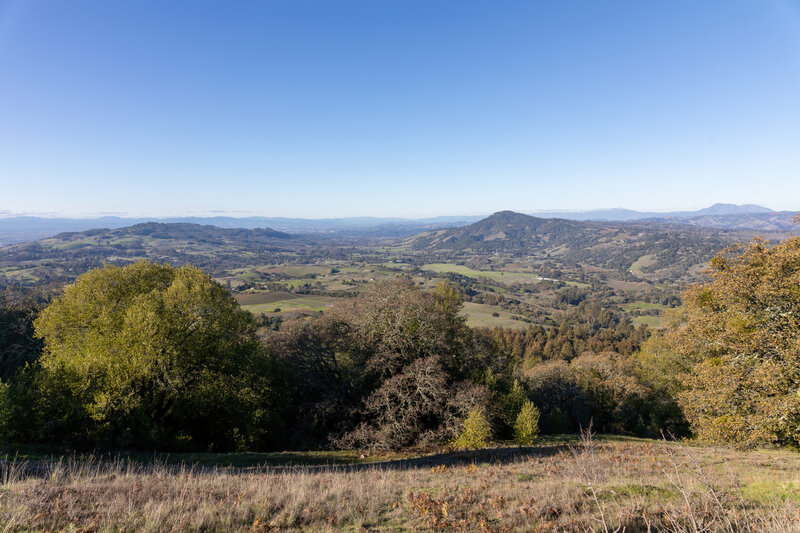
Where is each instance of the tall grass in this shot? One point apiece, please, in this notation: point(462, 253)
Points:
point(592, 486)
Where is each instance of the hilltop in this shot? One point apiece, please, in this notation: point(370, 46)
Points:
point(61, 257)
point(663, 247)
point(553, 486)
point(506, 231)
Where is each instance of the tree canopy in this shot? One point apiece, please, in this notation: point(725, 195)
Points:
point(149, 355)
point(395, 367)
point(743, 334)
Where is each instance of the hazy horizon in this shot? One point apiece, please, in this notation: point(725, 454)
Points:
point(239, 214)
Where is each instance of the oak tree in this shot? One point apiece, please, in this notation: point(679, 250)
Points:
point(148, 355)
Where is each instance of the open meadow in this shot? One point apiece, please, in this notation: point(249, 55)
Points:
point(591, 485)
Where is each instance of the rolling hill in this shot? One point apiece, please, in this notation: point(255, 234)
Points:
point(660, 249)
point(16, 229)
point(670, 249)
point(61, 257)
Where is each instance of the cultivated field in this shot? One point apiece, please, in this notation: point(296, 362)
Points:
point(604, 485)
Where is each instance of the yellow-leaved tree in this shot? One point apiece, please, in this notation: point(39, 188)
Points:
point(743, 331)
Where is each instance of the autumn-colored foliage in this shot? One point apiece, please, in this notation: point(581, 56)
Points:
point(476, 432)
point(743, 334)
point(526, 427)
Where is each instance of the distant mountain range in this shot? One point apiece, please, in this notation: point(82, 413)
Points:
point(778, 221)
point(29, 228)
point(723, 216)
point(627, 214)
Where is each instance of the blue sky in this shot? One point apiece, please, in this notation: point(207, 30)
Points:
point(397, 107)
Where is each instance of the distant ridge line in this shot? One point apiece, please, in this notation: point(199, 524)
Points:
point(15, 229)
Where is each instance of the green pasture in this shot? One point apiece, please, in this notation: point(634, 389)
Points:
point(72, 245)
point(20, 274)
point(494, 275)
point(295, 303)
point(258, 298)
point(642, 305)
point(480, 315)
point(644, 261)
point(297, 270)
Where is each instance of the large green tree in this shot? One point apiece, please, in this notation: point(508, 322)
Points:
point(743, 333)
point(148, 355)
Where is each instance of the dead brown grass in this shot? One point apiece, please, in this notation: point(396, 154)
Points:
point(594, 486)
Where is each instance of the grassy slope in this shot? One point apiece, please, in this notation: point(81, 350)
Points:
point(624, 482)
point(297, 303)
point(477, 314)
point(644, 261)
point(494, 275)
point(642, 305)
point(481, 315)
point(651, 321)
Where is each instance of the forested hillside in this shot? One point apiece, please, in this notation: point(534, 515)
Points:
point(673, 248)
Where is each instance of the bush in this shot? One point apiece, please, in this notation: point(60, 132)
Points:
point(526, 428)
point(476, 433)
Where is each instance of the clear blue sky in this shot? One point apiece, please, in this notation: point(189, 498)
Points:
point(397, 107)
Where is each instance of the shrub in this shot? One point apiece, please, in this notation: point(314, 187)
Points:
point(476, 432)
point(526, 428)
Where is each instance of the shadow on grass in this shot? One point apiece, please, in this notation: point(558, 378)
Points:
point(17, 468)
point(494, 456)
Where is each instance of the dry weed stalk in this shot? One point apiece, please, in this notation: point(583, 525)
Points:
point(586, 460)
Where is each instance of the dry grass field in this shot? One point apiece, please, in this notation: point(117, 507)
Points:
point(605, 485)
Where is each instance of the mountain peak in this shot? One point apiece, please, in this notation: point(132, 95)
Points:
point(733, 209)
